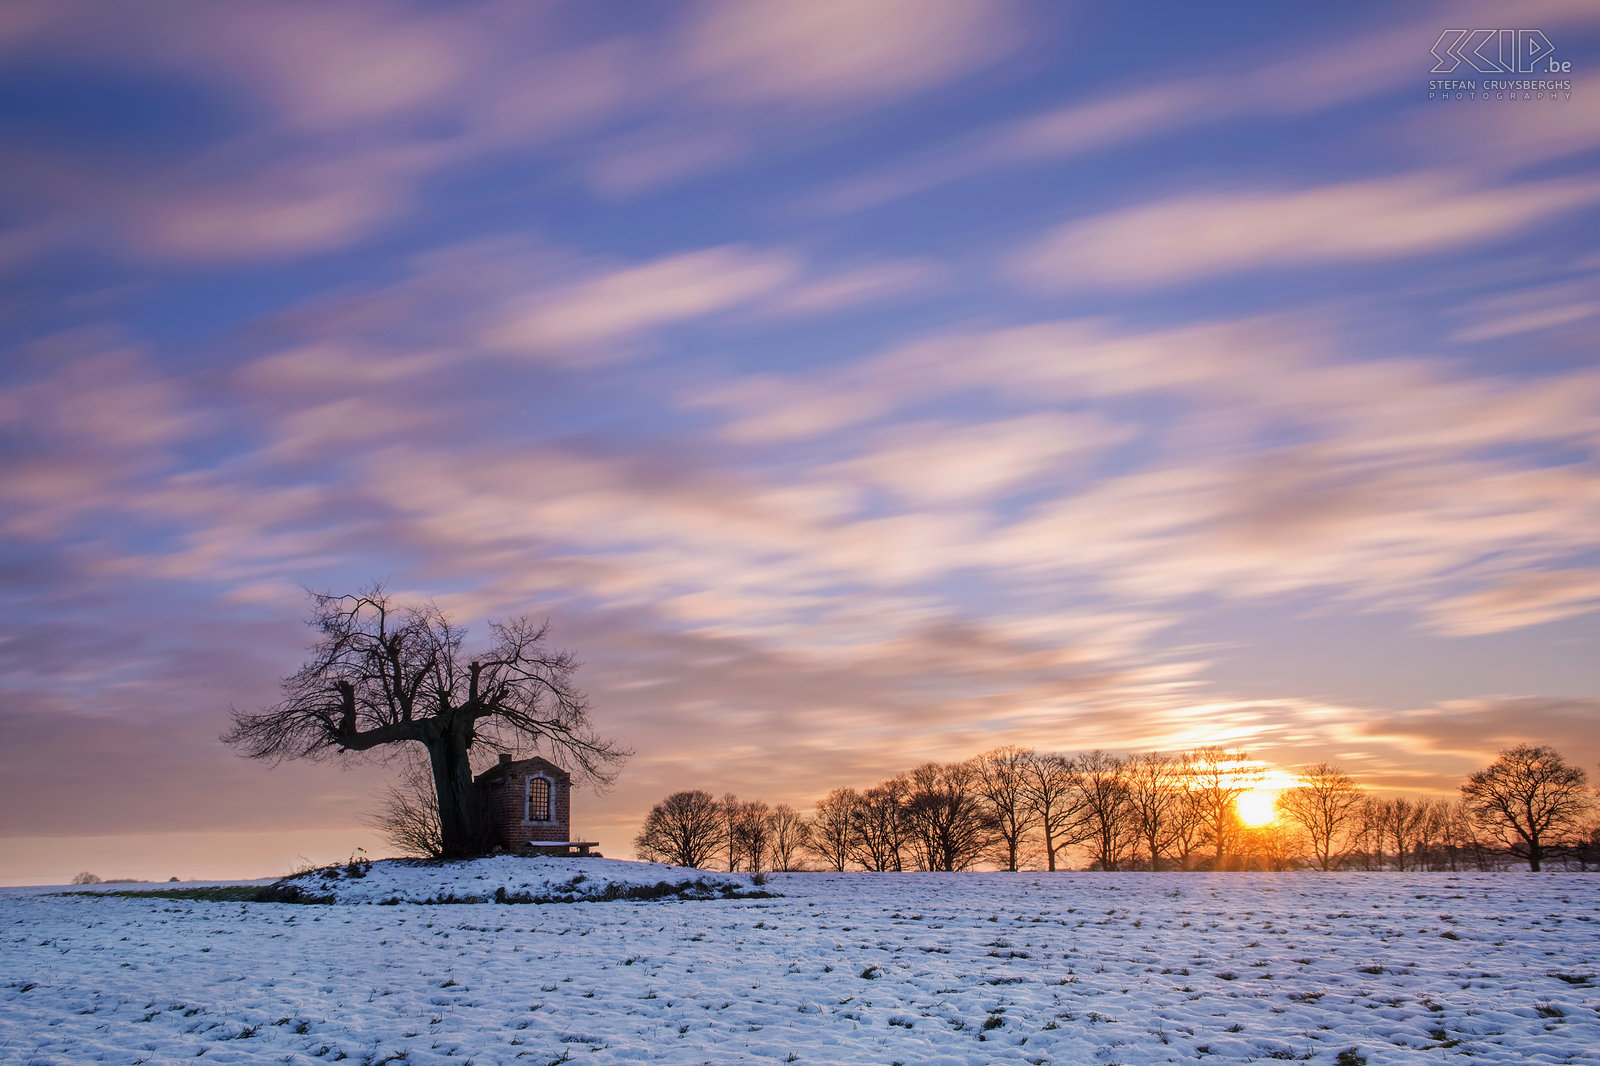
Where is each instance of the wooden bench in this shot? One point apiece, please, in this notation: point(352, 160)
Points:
point(561, 847)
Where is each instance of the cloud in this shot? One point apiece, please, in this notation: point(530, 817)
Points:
point(594, 313)
point(1060, 133)
point(638, 164)
point(1504, 139)
point(326, 126)
point(1069, 361)
point(871, 283)
point(831, 52)
point(934, 464)
point(1520, 599)
point(322, 365)
point(329, 68)
point(267, 219)
point(103, 420)
point(329, 125)
point(1314, 78)
point(1478, 729)
point(1528, 322)
point(1526, 310)
point(1195, 236)
point(1359, 498)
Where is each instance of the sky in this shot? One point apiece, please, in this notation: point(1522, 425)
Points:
point(850, 384)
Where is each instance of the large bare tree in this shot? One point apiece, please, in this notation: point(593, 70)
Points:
point(1408, 824)
point(950, 827)
point(1527, 796)
point(1002, 778)
point(878, 826)
point(751, 828)
point(685, 829)
point(1058, 804)
point(383, 674)
point(790, 835)
point(1112, 829)
point(832, 834)
point(1324, 802)
point(1155, 794)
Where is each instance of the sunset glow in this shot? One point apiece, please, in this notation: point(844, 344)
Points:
point(852, 384)
point(1256, 807)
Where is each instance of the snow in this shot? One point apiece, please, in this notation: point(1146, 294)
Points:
point(536, 879)
point(842, 968)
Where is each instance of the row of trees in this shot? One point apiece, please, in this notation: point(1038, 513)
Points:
point(1528, 804)
point(1014, 807)
point(1010, 807)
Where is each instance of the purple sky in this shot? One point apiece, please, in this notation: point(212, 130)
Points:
point(850, 383)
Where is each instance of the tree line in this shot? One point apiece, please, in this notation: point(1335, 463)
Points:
point(1015, 808)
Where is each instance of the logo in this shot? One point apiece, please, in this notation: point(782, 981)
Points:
point(1497, 52)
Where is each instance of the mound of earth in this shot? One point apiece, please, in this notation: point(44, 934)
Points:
point(507, 879)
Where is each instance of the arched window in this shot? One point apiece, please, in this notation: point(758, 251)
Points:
point(538, 799)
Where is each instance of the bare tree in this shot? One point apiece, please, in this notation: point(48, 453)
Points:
point(752, 831)
point(1401, 820)
point(685, 829)
point(790, 834)
point(1002, 778)
point(1526, 797)
point(1155, 799)
point(950, 829)
point(1052, 790)
point(877, 839)
point(408, 813)
point(1188, 820)
point(382, 674)
point(1368, 833)
point(1324, 803)
point(832, 834)
point(1455, 833)
point(1218, 779)
point(1103, 781)
point(1431, 828)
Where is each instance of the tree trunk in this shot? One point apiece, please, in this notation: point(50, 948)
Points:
point(462, 828)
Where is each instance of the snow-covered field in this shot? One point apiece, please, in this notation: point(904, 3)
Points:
point(913, 968)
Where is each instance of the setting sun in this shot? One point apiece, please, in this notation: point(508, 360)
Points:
point(1256, 807)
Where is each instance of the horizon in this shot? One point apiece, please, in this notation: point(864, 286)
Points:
point(850, 385)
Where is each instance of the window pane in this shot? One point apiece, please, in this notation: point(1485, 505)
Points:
point(538, 799)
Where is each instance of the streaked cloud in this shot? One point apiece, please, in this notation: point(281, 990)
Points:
point(840, 51)
point(638, 163)
point(933, 464)
point(857, 285)
point(618, 304)
point(1192, 236)
point(1531, 597)
point(1237, 87)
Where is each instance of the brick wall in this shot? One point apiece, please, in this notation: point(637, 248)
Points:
point(508, 808)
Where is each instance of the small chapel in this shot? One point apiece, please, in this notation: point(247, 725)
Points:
point(530, 807)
